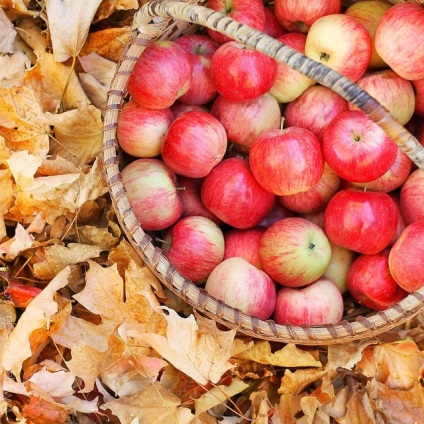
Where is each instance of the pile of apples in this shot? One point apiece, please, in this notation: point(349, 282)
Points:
point(269, 189)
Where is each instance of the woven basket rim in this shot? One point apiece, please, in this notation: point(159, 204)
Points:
point(147, 27)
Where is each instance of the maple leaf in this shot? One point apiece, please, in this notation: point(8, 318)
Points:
point(6, 197)
point(198, 349)
point(57, 257)
point(41, 411)
point(289, 356)
point(21, 121)
point(69, 22)
point(152, 404)
point(37, 315)
point(297, 381)
point(107, 7)
point(7, 34)
point(18, 5)
point(398, 364)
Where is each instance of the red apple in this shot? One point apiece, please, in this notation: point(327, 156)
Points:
point(369, 13)
point(161, 75)
point(195, 246)
point(399, 37)
point(240, 73)
point(244, 244)
point(419, 97)
point(317, 197)
point(244, 121)
point(202, 90)
point(294, 252)
point(250, 12)
point(340, 42)
point(243, 286)
point(315, 217)
point(152, 192)
point(412, 197)
point(277, 212)
point(363, 221)
point(319, 303)
point(393, 178)
point(231, 192)
point(314, 109)
point(406, 257)
point(390, 90)
point(141, 131)
point(357, 148)
point(189, 189)
point(401, 222)
point(288, 83)
point(287, 161)
point(299, 15)
point(371, 284)
point(338, 268)
point(272, 26)
point(194, 144)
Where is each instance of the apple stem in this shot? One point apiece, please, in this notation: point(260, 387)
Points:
point(163, 241)
point(282, 123)
point(180, 188)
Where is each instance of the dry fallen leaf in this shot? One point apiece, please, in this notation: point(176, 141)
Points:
point(7, 34)
point(69, 22)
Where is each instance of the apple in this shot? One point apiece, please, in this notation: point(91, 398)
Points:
point(294, 252)
point(362, 221)
point(317, 197)
point(161, 75)
point(250, 12)
point(406, 257)
point(231, 192)
point(289, 83)
point(315, 217)
point(357, 148)
point(398, 40)
point(241, 285)
point(371, 284)
point(244, 121)
point(299, 15)
point(189, 189)
point(412, 197)
point(340, 42)
point(390, 90)
point(244, 244)
point(195, 246)
point(369, 13)
point(401, 222)
point(314, 109)
point(195, 142)
point(240, 73)
point(319, 303)
point(141, 131)
point(179, 108)
point(419, 97)
point(272, 26)
point(202, 90)
point(152, 193)
point(338, 268)
point(287, 161)
point(393, 178)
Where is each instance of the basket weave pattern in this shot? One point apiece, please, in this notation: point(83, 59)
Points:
point(168, 20)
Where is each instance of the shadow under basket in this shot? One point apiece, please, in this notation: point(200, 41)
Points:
point(168, 20)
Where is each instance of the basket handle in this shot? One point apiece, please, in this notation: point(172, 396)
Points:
point(282, 53)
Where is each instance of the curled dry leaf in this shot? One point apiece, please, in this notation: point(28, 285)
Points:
point(69, 22)
point(107, 7)
point(12, 69)
point(295, 382)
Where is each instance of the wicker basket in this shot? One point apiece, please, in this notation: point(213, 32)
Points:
point(168, 20)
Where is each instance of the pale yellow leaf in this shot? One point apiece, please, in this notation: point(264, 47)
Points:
point(294, 382)
point(88, 186)
point(36, 315)
point(346, 355)
point(219, 394)
point(109, 6)
point(57, 166)
point(12, 69)
point(55, 382)
point(78, 133)
point(289, 356)
point(154, 404)
point(201, 352)
point(21, 121)
point(21, 241)
point(77, 330)
point(58, 257)
point(7, 34)
point(69, 22)
point(6, 197)
point(101, 237)
point(102, 69)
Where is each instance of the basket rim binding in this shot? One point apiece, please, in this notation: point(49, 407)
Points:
point(157, 19)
